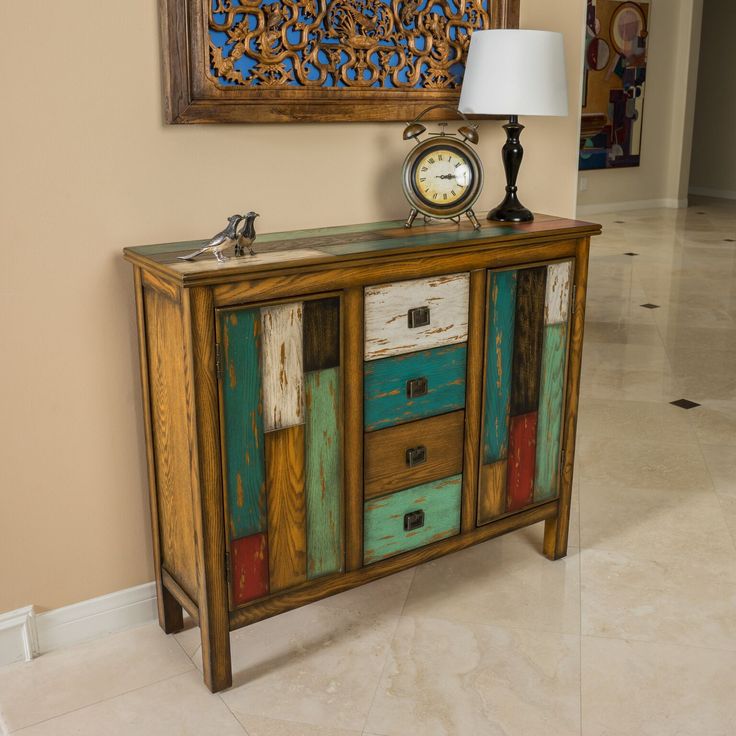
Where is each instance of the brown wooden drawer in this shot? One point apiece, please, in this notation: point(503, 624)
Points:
point(388, 453)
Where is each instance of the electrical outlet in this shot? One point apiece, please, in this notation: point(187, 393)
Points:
point(583, 183)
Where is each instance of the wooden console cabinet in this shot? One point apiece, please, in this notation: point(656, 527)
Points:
point(350, 402)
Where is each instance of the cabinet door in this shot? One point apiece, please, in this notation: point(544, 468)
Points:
point(527, 324)
point(280, 400)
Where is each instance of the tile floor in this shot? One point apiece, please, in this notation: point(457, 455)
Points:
point(634, 633)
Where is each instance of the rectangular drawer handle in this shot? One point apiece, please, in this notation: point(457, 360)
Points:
point(417, 387)
point(418, 317)
point(416, 456)
point(413, 520)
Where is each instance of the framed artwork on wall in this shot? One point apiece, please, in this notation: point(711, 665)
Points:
point(614, 83)
point(247, 61)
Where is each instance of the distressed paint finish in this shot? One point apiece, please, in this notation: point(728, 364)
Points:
point(522, 456)
point(323, 473)
point(384, 533)
point(321, 334)
point(550, 412)
point(385, 399)
point(492, 491)
point(249, 568)
point(500, 347)
point(528, 328)
point(240, 333)
point(557, 298)
point(283, 375)
point(287, 541)
point(387, 331)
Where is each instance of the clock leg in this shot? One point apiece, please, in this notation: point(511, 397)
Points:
point(412, 217)
point(473, 219)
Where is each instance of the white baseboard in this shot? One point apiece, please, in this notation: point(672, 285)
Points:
point(717, 193)
point(636, 204)
point(62, 627)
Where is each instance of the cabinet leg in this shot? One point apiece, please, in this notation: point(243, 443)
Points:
point(170, 613)
point(216, 661)
point(555, 538)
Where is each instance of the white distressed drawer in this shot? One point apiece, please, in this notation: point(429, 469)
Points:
point(387, 315)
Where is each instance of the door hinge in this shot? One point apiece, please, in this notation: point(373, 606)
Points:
point(574, 297)
point(218, 359)
point(227, 567)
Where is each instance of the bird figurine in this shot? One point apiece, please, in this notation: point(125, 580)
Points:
point(220, 242)
point(247, 235)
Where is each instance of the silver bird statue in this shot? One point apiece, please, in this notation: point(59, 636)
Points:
point(247, 235)
point(220, 242)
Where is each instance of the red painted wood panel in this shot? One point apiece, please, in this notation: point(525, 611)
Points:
point(249, 562)
point(522, 457)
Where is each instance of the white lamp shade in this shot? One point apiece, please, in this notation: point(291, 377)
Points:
point(511, 72)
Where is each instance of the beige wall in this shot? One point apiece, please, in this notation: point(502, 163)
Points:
point(661, 179)
point(87, 168)
point(714, 147)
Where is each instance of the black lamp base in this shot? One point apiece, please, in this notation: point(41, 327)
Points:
point(511, 210)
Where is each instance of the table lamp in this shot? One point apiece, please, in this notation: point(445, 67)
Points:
point(510, 72)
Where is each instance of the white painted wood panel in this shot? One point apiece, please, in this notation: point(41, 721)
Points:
point(557, 299)
point(387, 306)
point(283, 374)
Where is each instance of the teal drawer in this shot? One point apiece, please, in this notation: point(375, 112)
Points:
point(386, 396)
point(384, 530)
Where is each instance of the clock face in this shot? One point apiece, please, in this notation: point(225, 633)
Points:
point(442, 176)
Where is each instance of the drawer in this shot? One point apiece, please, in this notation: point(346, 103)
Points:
point(413, 386)
point(434, 509)
point(416, 315)
point(413, 453)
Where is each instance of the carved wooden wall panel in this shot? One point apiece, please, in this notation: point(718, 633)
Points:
point(318, 60)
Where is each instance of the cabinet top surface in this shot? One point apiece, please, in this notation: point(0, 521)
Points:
point(333, 245)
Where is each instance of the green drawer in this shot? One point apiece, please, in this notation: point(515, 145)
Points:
point(384, 519)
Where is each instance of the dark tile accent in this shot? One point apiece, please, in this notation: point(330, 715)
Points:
point(650, 306)
point(619, 222)
point(729, 240)
point(700, 213)
point(684, 403)
point(631, 254)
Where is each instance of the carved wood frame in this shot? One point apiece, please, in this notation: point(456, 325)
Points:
point(191, 96)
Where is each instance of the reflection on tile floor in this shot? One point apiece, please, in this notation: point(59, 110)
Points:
point(633, 633)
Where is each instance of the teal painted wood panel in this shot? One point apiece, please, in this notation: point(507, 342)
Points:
point(385, 399)
point(245, 476)
point(384, 534)
point(500, 350)
point(549, 427)
point(323, 473)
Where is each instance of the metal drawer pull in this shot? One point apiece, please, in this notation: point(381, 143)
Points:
point(418, 317)
point(416, 456)
point(413, 520)
point(417, 387)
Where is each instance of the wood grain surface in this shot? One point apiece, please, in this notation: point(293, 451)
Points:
point(528, 326)
point(287, 540)
point(384, 518)
point(386, 468)
point(385, 386)
point(387, 306)
point(492, 491)
point(549, 426)
point(557, 299)
point(522, 456)
point(242, 411)
point(323, 473)
point(321, 334)
point(282, 366)
point(249, 568)
point(499, 355)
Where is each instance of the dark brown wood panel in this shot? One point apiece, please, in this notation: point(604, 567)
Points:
point(528, 334)
point(287, 533)
point(386, 463)
point(321, 326)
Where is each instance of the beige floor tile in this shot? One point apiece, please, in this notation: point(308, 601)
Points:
point(637, 689)
point(617, 333)
point(259, 726)
point(721, 462)
point(180, 706)
point(67, 679)
point(503, 582)
point(703, 374)
point(674, 600)
point(728, 505)
point(317, 665)
point(444, 678)
point(714, 422)
point(190, 638)
point(653, 524)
